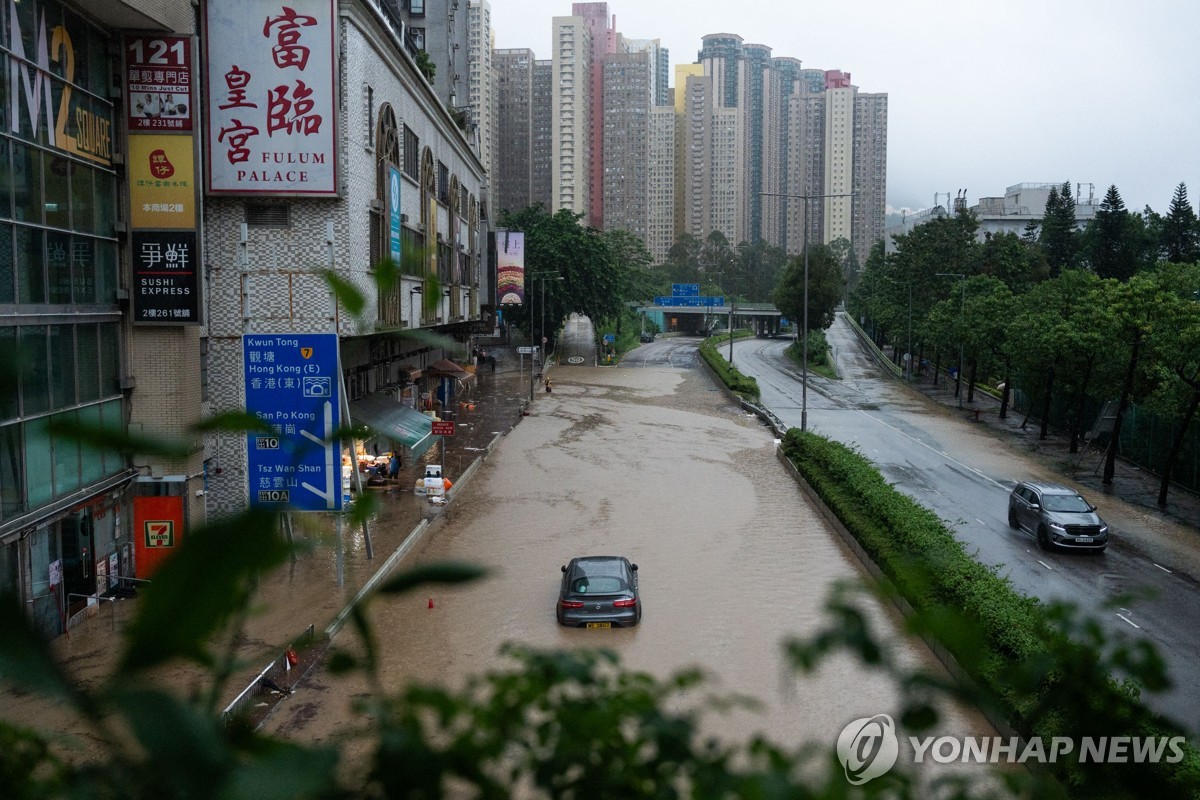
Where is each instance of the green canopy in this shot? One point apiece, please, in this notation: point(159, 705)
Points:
point(387, 417)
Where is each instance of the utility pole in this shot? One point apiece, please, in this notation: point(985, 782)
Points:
point(962, 333)
point(804, 324)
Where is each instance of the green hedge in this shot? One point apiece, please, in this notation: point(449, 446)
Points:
point(739, 384)
point(1043, 680)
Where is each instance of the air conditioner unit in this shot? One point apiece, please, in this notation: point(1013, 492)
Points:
point(404, 219)
point(376, 204)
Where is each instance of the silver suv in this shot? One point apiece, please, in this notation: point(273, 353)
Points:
point(1057, 515)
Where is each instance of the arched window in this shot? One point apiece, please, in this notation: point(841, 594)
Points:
point(387, 158)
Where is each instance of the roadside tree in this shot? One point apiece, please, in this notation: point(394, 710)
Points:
point(1179, 240)
point(824, 288)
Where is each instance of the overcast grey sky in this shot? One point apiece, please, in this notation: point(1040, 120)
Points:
point(980, 95)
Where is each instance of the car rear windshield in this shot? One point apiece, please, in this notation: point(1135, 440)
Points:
point(1065, 503)
point(597, 584)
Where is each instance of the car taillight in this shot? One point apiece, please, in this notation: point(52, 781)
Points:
point(625, 603)
point(571, 603)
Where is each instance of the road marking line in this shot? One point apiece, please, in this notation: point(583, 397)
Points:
point(981, 522)
point(1131, 622)
point(1164, 569)
point(1044, 564)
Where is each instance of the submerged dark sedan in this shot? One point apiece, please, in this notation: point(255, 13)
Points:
point(599, 592)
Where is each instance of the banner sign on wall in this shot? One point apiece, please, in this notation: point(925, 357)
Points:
point(270, 105)
point(158, 83)
point(162, 182)
point(510, 267)
point(166, 287)
point(393, 210)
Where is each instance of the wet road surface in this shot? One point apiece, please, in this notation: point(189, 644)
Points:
point(1144, 585)
point(657, 464)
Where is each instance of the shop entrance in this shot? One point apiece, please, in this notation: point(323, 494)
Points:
point(78, 559)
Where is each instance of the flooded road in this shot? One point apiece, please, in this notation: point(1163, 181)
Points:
point(658, 465)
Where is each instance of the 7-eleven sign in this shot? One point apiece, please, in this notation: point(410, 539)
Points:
point(159, 532)
point(160, 522)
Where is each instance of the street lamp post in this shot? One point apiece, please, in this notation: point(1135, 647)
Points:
point(732, 303)
point(413, 292)
point(542, 277)
point(804, 322)
point(962, 333)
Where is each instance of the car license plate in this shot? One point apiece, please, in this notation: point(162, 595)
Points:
point(599, 624)
point(1083, 539)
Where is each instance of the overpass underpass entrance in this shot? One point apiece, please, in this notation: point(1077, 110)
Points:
point(763, 318)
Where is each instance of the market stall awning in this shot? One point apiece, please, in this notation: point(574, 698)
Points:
point(389, 418)
point(447, 367)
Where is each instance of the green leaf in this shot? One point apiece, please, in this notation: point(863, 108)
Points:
point(347, 293)
point(445, 572)
point(196, 591)
point(387, 273)
point(25, 659)
point(114, 440)
point(233, 422)
point(184, 746)
point(285, 771)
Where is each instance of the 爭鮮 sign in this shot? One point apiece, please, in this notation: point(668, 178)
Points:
point(292, 387)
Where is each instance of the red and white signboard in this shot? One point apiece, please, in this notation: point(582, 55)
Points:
point(443, 427)
point(158, 83)
point(272, 113)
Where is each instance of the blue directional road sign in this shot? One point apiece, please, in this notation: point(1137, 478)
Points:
point(292, 386)
point(699, 301)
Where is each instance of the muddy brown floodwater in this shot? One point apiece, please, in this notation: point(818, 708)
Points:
point(658, 465)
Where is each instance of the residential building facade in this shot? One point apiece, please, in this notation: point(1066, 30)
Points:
point(627, 91)
point(571, 116)
point(514, 153)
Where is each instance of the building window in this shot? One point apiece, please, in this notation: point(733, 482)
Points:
point(443, 183)
point(412, 161)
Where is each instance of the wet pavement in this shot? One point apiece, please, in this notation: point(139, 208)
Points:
point(1131, 484)
point(661, 465)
